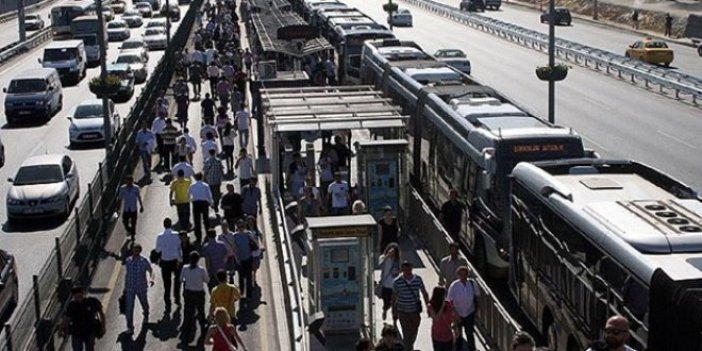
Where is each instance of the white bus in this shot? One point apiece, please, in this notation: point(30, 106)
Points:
point(61, 16)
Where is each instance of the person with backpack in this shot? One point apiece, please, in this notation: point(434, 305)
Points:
point(84, 320)
point(463, 294)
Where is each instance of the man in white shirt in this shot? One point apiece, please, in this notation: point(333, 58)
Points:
point(463, 293)
point(246, 168)
point(242, 124)
point(209, 144)
point(169, 246)
point(183, 164)
point(157, 127)
point(207, 128)
point(201, 198)
point(189, 139)
point(338, 193)
point(616, 335)
point(195, 279)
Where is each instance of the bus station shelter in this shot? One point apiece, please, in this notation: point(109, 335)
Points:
point(311, 111)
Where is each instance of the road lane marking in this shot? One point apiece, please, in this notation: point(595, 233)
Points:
point(594, 143)
point(679, 140)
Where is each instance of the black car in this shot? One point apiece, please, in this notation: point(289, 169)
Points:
point(9, 288)
point(472, 5)
point(562, 16)
point(126, 76)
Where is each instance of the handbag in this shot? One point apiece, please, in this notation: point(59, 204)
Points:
point(230, 346)
point(122, 304)
point(154, 256)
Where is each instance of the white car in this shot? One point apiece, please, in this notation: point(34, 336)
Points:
point(401, 17)
point(44, 186)
point(87, 123)
point(155, 38)
point(144, 8)
point(135, 45)
point(136, 63)
point(118, 30)
point(133, 18)
point(455, 58)
point(33, 21)
point(156, 23)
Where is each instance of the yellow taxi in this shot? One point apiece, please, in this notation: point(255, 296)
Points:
point(651, 51)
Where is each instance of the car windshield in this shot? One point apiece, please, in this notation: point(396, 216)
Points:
point(128, 59)
point(59, 54)
point(131, 14)
point(154, 31)
point(119, 72)
point(451, 53)
point(156, 24)
point(88, 111)
point(19, 86)
point(39, 174)
point(656, 45)
point(116, 25)
point(132, 45)
point(31, 17)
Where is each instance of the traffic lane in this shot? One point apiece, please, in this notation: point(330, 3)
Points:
point(617, 119)
point(591, 34)
point(31, 245)
point(9, 31)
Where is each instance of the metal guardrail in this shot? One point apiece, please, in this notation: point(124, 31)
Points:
point(295, 310)
point(667, 81)
point(492, 319)
point(34, 40)
point(13, 14)
point(35, 321)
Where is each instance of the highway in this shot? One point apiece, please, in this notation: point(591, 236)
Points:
point(589, 33)
point(31, 245)
point(616, 119)
point(9, 31)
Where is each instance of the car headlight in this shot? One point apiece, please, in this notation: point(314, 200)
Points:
point(73, 128)
point(56, 198)
point(11, 201)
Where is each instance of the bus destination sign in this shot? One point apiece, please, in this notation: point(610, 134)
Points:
point(531, 148)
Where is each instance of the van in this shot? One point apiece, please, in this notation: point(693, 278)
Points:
point(69, 59)
point(33, 93)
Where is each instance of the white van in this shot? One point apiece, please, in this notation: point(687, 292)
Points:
point(69, 59)
point(35, 92)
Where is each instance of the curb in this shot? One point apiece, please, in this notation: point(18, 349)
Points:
point(614, 25)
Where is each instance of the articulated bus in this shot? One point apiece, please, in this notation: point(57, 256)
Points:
point(465, 136)
point(594, 238)
point(61, 16)
point(336, 24)
point(322, 17)
point(349, 47)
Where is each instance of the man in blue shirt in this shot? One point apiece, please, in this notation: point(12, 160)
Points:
point(129, 196)
point(145, 140)
point(136, 285)
point(242, 254)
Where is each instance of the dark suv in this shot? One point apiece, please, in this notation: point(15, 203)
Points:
point(472, 5)
point(562, 16)
point(9, 292)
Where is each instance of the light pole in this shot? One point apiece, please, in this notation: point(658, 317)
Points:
point(168, 22)
point(594, 10)
point(551, 61)
point(390, 7)
point(20, 18)
point(106, 116)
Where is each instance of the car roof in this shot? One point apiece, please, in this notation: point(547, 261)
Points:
point(35, 73)
point(132, 40)
point(117, 20)
point(143, 3)
point(90, 102)
point(118, 66)
point(52, 159)
point(64, 44)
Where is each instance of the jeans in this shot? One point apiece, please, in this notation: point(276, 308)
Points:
point(468, 324)
point(244, 182)
point(183, 215)
point(201, 212)
point(83, 342)
point(243, 138)
point(340, 211)
point(193, 309)
point(159, 147)
point(129, 220)
point(129, 298)
point(387, 298)
point(171, 270)
point(216, 190)
point(167, 156)
point(409, 321)
point(442, 345)
point(146, 162)
point(245, 271)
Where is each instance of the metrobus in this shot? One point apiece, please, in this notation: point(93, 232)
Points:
point(323, 16)
point(595, 238)
point(61, 16)
point(465, 136)
point(349, 46)
point(336, 24)
point(87, 29)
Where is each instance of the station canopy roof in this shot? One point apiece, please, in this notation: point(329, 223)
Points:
point(329, 108)
point(287, 33)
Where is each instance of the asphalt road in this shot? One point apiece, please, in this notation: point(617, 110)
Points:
point(31, 245)
point(596, 35)
point(616, 119)
point(9, 31)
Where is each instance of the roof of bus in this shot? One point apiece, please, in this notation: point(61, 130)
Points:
point(634, 213)
point(82, 4)
point(363, 29)
point(85, 18)
point(63, 44)
point(351, 20)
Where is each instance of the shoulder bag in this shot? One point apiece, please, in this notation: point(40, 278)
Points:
point(419, 300)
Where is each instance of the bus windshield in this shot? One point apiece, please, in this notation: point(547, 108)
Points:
point(84, 26)
point(52, 55)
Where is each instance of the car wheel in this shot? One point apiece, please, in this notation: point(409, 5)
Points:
point(666, 64)
point(60, 104)
point(67, 210)
point(699, 50)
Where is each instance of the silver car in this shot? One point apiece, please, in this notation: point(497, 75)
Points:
point(455, 58)
point(33, 21)
point(133, 18)
point(155, 38)
point(45, 186)
point(401, 17)
point(118, 30)
point(144, 8)
point(136, 63)
point(135, 45)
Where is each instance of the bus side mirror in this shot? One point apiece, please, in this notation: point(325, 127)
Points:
point(485, 180)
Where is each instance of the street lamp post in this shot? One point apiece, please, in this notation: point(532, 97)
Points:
point(594, 10)
point(20, 18)
point(106, 116)
point(390, 7)
point(551, 61)
point(168, 22)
